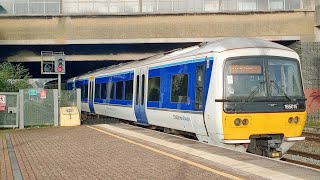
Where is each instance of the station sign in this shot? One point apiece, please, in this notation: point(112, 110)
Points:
point(2, 103)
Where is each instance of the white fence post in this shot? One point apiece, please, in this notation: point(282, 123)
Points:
point(56, 108)
point(21, 109)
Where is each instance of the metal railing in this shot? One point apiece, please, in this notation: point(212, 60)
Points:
point(97, 7)
point(27, 7)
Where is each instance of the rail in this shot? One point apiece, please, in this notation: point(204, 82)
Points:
point(118, 7)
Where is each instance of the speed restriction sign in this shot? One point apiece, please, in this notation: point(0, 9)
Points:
point(2, 99)
point(2, 103)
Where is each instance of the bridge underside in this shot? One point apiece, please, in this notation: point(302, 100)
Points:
point(48, 30)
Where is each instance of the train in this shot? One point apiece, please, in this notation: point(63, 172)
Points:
point(241, 93)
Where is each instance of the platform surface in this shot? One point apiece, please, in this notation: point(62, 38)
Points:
point(120, 151)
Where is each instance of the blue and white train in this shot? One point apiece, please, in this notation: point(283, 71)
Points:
point(241, 93)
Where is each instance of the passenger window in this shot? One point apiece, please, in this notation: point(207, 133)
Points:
point(137, 91)
point(154, 89)
point(128, 90)
point(97, 91)
point(179, 88)
point(119, 86)
point(110, 90)
point(86, 91)
point(142, 90)
point(103, 90)
point(82, 92)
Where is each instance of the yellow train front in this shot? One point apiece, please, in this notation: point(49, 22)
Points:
point(257, 104)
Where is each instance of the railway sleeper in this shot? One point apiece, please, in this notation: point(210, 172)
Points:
point(266, 145)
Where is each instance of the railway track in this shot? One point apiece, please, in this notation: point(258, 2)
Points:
point(300, 163)
point(302, 154)
point(312, 136)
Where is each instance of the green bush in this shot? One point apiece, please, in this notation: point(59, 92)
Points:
point(13, 77)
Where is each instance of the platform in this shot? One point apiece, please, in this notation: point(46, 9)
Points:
point(120, 151)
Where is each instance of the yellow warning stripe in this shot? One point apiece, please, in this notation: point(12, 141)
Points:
point(170, 155)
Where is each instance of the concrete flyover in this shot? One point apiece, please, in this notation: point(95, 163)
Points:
point(157, 28)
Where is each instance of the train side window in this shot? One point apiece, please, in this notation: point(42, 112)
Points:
point(82, 91)
point(111, 90)
point(103, 90)
point(119, 86)
point(128, 90)
point(97, 91)
point(142, 89)
point(154, 89)
point(199, 87)
point(86, 91)
point(179, 88)
point(137, 90)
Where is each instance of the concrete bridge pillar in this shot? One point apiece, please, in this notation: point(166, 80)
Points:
point(317, 21)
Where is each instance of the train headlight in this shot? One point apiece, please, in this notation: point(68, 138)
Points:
point(290, 120)
point(237, 122)
point(296, 120)
point(245, 121)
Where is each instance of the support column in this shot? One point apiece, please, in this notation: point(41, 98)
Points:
point(317, 21)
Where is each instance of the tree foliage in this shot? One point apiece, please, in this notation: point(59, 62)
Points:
point(13, 77)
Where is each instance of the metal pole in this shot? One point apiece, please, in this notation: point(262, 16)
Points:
point(157, 5)
point(13, 6)
point(59, 87)
point(28, 6)
point(60, 7)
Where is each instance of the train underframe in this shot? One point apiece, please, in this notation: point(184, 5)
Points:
point(266, 145)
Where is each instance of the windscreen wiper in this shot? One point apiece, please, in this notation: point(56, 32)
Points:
point(275, 85)
point(227, 100)
point(255, 91)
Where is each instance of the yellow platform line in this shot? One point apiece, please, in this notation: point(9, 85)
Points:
point(170, 155)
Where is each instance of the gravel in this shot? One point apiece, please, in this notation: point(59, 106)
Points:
point(307, 147)
point(302, 159)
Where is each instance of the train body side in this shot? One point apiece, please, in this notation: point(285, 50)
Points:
point(187, 93)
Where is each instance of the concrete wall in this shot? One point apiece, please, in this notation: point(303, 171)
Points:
point(154, 28)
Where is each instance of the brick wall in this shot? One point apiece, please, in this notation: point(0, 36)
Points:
point(310, 63)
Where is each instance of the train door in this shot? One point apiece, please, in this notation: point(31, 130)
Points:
point(91, 97)
point(200, 87)
point(141, 77)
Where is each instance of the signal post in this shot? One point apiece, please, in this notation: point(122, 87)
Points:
point(53, 63)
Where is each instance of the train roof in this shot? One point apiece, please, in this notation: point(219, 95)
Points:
point(240, 43)
point(218, 46)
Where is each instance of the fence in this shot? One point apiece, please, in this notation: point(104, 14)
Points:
point(9, 117)
point(45, 7)
point(36, 107)
point(71, 98)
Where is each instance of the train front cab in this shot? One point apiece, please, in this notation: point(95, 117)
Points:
point(263, 106)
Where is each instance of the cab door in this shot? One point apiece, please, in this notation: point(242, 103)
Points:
point(140, 97)
point(200, 87)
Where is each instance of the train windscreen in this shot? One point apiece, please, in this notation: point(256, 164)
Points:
point(262, 78)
